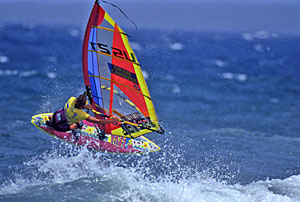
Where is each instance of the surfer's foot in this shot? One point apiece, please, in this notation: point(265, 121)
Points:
point(75, 134)
point(48, 123)
point(102, 136)
point(79, 125)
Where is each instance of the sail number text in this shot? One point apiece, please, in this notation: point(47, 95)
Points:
point(113, 51)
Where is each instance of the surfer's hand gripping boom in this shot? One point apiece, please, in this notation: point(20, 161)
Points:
point(161, 131)
point(114, 118)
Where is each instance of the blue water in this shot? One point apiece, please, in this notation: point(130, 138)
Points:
point(229, 102)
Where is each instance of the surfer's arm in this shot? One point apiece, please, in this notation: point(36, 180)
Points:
point(88, 107)
point(99, 121)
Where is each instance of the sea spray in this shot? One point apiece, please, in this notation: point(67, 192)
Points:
point(82, 175)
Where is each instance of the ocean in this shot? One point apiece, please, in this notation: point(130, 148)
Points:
point(229, 102)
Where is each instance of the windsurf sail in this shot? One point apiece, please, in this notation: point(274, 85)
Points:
point(113, 78)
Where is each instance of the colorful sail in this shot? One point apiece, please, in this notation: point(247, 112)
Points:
point(113, 77)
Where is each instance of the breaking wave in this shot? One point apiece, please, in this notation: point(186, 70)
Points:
point(86, 176)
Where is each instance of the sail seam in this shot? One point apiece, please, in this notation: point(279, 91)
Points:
point(107, 29)
point(121, 85)
point(125, 99)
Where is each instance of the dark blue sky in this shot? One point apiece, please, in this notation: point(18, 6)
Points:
point(222, 15)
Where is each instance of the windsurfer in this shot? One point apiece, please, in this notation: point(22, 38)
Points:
point(71, 116)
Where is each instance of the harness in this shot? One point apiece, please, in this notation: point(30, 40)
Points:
point(59, 121)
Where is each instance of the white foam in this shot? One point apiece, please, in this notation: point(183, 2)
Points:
point(262, 34)
point(176, 46)
point(220, 63)
point(207, 189)
point(274, 100)
point(74, 32)
point(27, 73)
point(51, 59)
point(132, 184)
point(227, 75)
point(9, 72)
point(145, 74)
point(258, 47)
point(247, 36)
point(4, 59)
point(14, 72)
point(239, 77)
point(169, 77)
point(29, 25)
point(258, 35)
point(135, 46)
point(51, 75)
point(176, 89)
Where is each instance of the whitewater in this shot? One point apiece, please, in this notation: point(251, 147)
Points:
point(84, 176)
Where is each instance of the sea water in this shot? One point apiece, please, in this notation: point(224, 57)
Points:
point(229, 102)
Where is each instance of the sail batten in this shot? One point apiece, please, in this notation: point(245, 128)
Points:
point(122, 85)
point(107, 29)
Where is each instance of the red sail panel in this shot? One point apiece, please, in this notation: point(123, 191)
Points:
point(125, 75)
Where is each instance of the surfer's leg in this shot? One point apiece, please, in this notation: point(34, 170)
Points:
point(73, 126)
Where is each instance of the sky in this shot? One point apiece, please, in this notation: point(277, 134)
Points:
point(202, 15)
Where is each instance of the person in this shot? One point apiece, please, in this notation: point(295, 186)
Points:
point(71, 116)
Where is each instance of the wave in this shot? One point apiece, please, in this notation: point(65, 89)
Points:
point(135, 46)
point(4, 59)
point(29, 73)
point(258, 35)
point(176, 46)
point(230, 76)
point(88, 176)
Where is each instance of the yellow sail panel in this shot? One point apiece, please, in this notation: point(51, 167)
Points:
point(109, 19)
